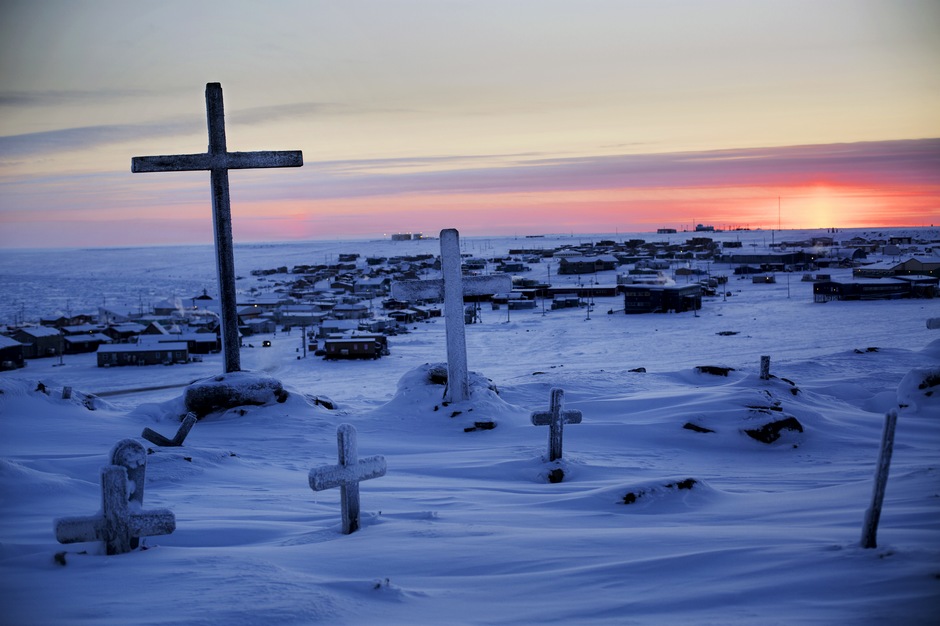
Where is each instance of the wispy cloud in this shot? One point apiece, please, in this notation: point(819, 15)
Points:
point(52, 98)
point(915, 162)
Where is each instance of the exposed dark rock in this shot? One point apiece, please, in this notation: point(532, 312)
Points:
point(325, 402)
point(639, 370)
point(632, 496)
point(769, 433)
point(232, 390)
point(932, 380)
point(556, 475)
point(437, 374)
point(697, 428)
point(714, 370)
point(480, 426)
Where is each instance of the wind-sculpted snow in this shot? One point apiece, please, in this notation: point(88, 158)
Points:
point(465, 527)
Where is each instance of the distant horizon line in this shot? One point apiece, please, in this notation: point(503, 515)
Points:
point(434, 237)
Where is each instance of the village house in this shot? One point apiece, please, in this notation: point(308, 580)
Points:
point(124, 332)
point(143, 354)
point(258, 326)
point(355, 347)
point(11, 354)
point(661, 298)
point(351, 311)
point(81, 343)
point(919, 265)
point(372, 287)
point(61, 321)
point(300, 315)
point(200, 341)
point(586, 265)
point(39, 341)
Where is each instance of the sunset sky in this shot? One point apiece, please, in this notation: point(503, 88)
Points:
point(493, 117)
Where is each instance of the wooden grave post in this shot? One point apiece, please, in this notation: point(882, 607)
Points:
point(452, 288)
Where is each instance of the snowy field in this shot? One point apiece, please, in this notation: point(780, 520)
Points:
point(465, 528)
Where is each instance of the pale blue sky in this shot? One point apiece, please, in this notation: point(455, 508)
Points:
point(405, 88)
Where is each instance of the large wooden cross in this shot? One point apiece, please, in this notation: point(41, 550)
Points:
point(219, 161)
point(453, 287)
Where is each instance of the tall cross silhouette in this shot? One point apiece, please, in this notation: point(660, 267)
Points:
point(219, 161)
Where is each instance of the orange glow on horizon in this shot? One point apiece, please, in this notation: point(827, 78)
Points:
point(814, 205)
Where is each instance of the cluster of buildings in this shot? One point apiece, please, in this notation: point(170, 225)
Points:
point(335, 304)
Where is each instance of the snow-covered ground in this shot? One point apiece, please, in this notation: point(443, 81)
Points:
point(465, 527)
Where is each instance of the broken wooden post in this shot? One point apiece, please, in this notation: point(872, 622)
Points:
point(347, 475)
point(122, 519)
point(219, 161)
point(556, 418)
point(873, 513)
point(452, 287)
point(156, 438)
point(765, 368)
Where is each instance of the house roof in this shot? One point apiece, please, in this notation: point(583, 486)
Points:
point(40, 331)
point(147, 347)
point(8, 342)
point(87, 338)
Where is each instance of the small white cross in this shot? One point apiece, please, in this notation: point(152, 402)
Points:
point(347, 474)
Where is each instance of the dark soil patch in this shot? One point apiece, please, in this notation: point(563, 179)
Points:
point(769, 433)
point(714, 370)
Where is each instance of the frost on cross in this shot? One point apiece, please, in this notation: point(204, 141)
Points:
point(347, 474)
point(122, 519)
point(453, 287)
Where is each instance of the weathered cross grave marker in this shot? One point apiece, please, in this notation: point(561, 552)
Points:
point(219, 161)
point(347, 475)
point(130, 454)
point(453, 287)
point(556, 418)
point(157, 439)
point(122, 519)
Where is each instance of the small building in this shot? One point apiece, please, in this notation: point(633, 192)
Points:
point(661, 298)
point(125, 331)
point(39, 341)
point(76, 344)
point(11, 354)
point(565, 301)
point(354, 347)
point(258, 326)
point(142, 354)
point(586, 264)
point(351, 311)
point(861, 289)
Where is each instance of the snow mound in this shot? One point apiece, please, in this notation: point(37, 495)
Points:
point(13, 389)
point(232, 390)
point(420, 394)
point(919, 390)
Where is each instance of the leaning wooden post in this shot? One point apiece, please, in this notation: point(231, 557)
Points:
point(872, 515)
